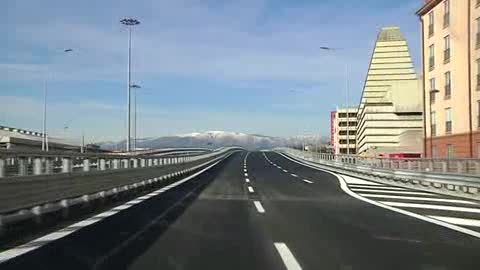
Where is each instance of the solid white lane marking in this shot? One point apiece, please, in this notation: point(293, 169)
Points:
point(43, 240)
point(378, 187)
point(344, 187)
point(417, 198)
point(287, 257)
point(459, 221)
point(259, 206)
point(246, 174)
point(353, 180)
point(394, 192)
point(294, 175)
point(432, 206)
point(250, 189)
point(247, 180)
point(307, 181)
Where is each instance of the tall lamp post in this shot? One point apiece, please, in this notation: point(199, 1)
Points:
point(433, 92)
point(325, 48)
point(135, 86)
point(129, 22)
point(44, 125)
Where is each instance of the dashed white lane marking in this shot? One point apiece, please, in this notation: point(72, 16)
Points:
point(259, 206)
point(307, 181)
point(459, 221)
point(246, 174)
point(250, 189)
point(245, 170)
point(294, 175)
point(247, 180)
point(417, 198)
point(287, 257)
point(394, 192)
point(285, 171)
point(41, 241)
point(432, 206)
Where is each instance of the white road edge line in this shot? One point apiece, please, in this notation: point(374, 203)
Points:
point(250, 189)
point(344, 186)
point(43, 240)
point(287, 256)
point(259, 207)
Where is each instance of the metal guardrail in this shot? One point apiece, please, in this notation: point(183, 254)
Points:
point(23, 163)
point(439, 181)
point(31, 196)
point(440, 165)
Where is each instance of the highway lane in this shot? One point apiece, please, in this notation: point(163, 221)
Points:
point(247, 213)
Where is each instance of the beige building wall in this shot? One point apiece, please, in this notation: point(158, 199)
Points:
point(455, 20)
point(391, 103)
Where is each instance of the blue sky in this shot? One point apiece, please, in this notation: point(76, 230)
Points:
point(203, 65)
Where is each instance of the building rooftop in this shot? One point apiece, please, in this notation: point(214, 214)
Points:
point(391, 33)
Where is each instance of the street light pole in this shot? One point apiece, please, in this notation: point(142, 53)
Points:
point(129, 22)
point(136, 87)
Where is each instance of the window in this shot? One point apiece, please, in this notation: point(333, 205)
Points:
point(448, 120)
point(430, 23)
point(446, 52)
point(434, 151)
point(448, 85)
point(433, 120)
point(478, 33)
point(431, 59)
point(450, 151)
point(446, 13)
point(432, 90)
point(478, 114)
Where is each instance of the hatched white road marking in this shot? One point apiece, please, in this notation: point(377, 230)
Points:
point(352, 180)
point(394, 192)
point(250, 189)
point(432, 206)
point(377, 187)
point(459, 221)
point(259, 206)
point(287, 257)
point(307, 181)
point(417, 198)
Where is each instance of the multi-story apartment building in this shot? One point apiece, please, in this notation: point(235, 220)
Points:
point(451, 64)
point(390, 112)
point(338, 126)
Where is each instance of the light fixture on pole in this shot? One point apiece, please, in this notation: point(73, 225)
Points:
point(135, 86)
point(129, 22)
point(432, 99)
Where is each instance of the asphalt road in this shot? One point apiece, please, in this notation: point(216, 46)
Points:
point(265, 211)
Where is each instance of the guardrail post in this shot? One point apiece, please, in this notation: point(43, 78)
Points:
point(126, 163)
point(48, 165)
point(149, 162)
point(2, 167)
point(460, 166)
point(37, 166)
point(101, 164)
point(22, 166)
point(66, 165)
point(116, 164)
point(135, 163)
point(142, 162)
point(86, 165)
point(155, 162)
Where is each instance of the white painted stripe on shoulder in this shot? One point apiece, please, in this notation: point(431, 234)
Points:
point(412, 198)
point(344, 187)
point(250, 189)
point(287, 257)
point(459, 221)
point(259, 207)
point(433, 207)
point(307, 181)
point(394, 192)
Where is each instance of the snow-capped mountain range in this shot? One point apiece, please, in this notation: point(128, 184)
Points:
point(214, 139)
